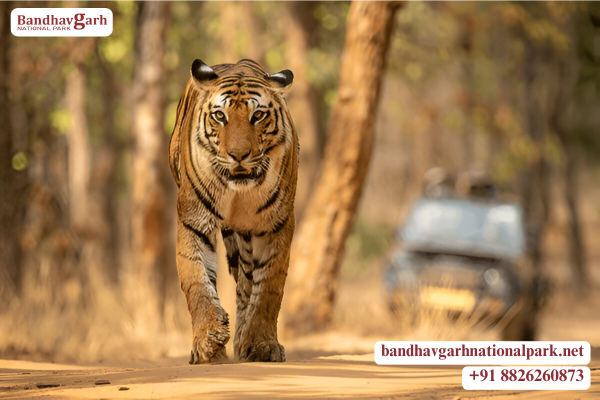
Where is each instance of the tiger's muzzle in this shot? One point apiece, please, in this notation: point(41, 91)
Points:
point(243, 172)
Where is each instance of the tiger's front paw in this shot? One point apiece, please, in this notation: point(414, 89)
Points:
point(209, 343)
point(270, 351)
point(199, 357)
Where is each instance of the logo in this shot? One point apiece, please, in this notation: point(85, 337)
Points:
point(86, 22)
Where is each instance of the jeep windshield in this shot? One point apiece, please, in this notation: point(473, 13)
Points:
point(464, 227)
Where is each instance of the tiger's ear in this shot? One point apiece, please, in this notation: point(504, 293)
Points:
point(202, 73)
point(281, 80)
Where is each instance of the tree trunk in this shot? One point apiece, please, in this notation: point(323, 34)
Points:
point(107, 182)
point(12, 181)
point(240, 33)
point(255, 49)
point(146, 271)
point(228, 11)
point(85, 219)
point(534, 186)
point(318, 249)
point(576, 244)
point(468, 134)
point(533, 183)
point(302, 100)
point(562, 122)
point(79, 148)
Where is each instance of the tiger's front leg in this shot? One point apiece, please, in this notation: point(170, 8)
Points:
point(259, 293)
point(197, 267)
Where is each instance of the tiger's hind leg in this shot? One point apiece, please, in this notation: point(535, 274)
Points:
point(233, 253)
point(261, 280)
point(197, 268)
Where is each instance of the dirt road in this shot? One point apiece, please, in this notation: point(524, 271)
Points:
point(354, 376)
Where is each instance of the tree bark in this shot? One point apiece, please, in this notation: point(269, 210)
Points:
point(146, 271)
point(319, 245)
point(302, 100)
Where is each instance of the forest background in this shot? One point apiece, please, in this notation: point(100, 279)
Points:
point(88, 204)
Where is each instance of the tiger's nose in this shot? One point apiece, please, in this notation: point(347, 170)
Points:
point(239, 155)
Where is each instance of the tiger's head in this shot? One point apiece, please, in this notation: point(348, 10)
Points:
point(237, 115)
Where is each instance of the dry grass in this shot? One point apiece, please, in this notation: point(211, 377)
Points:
point(71, 323)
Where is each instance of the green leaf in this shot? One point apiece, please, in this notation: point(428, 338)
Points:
point(61, 120)
point(20, 161)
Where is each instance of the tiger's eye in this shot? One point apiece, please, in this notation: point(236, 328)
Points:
point(258, 115)
point(219, 115)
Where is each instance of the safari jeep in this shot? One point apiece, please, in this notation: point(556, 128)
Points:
point(465, 256)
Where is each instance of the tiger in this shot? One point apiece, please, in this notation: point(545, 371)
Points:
point(234, 157)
